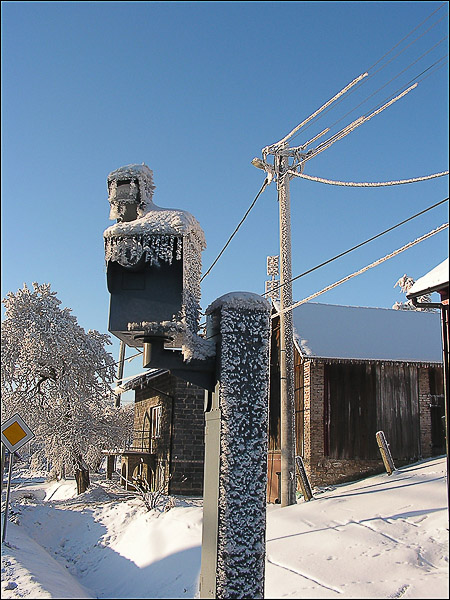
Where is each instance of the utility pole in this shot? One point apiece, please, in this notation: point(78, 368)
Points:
point(282, 171)
point(287, 401)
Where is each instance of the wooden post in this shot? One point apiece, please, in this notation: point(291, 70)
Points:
point(385, 452)
point(303, 479)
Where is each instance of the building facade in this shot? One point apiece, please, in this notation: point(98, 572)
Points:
point(359, 371)
point(168, 436)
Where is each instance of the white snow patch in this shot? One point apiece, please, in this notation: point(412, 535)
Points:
point(436, 277)
point(382, 537)
point(242, 300)
point(354, 332)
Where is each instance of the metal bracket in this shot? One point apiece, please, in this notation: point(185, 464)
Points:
point(198, 372)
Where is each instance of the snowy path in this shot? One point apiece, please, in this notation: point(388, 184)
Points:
point(383, 537)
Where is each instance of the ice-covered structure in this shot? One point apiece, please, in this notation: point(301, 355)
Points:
point(153, 258)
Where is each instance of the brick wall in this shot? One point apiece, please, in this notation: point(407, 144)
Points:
point(188, 445)
point(146, 398)
point(313, 407)
point(180, 449)
point(323, 470)
point(424, 413)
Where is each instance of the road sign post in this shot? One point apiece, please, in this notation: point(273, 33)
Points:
point(15, 433)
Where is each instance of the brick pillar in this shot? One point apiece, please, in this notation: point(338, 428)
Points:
point(424, 413)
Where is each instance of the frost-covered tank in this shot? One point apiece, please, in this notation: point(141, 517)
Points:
point(153, 258)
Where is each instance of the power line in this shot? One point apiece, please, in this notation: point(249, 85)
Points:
point(393, 79)
point(374, 264)
point(359, 245)
point(360, 83)
point(367, 184)
point(264, 185)
point(407, 36)
point(352, 126)
point(364, 118)
point(319, 110)
point(114, 364)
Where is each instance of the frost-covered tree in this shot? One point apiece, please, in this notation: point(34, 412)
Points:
point(58, 377)
point(405, 283)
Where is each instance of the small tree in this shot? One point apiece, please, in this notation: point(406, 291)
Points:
point(59, 376)
point(405, 283)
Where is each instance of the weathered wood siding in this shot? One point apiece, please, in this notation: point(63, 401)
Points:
point(350, 411)
point(398, 409)
point(361, 399)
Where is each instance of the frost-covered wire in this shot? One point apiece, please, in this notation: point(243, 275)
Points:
point(378, 70)
point(363, 119)
point(374, 264)
point(319, 110)
point(367, 183)
point(394, 78)
point(371, 239)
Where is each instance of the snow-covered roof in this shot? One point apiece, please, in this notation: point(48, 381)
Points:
point(353, 332)
point(433, 280)
point(142, 379)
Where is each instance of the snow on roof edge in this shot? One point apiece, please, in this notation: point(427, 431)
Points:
point(435, 278)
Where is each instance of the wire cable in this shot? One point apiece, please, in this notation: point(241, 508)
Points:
point(349, 128)
point(352, 126)
point(422, 212)
point(364, 269)
point(367, 184)
point(263, 187)
point(407, 36)
point(393, 79)
point(378, 70)
point(319, 110)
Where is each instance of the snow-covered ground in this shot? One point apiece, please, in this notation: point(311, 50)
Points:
point(382, 537)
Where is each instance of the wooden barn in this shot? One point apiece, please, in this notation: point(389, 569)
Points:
point(359, 371)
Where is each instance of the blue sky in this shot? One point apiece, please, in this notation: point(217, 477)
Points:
point(196, 90)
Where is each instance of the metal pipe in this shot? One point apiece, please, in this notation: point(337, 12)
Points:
point(120, 371)
point(8, 489)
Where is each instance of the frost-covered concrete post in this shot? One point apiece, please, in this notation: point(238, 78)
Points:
point(234, 505)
